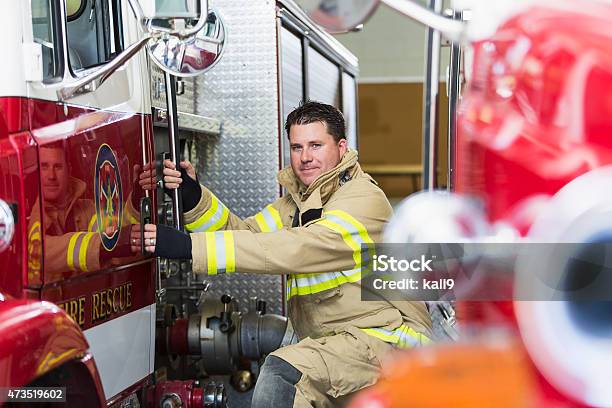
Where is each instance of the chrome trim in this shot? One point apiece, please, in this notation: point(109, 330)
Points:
point(93, 81)
point(453, 91)
point(430, 101)
point(138, 13)
point(222, 29)
point(174, 144)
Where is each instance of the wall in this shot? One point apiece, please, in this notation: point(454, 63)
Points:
point(390, 47)
point(391, 52)
point(390, 132)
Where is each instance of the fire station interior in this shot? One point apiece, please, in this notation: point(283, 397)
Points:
point(486, 124)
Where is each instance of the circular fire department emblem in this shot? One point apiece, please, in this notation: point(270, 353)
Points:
point(109, 197)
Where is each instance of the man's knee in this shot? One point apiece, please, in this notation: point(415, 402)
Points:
point(275, 386)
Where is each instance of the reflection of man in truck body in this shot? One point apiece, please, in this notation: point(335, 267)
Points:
point(72, 241)
point(70, 228)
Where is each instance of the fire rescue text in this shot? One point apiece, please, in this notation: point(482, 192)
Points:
point(103, 304)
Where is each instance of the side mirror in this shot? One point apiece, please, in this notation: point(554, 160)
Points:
point(170, 16)
point(341, 16)
point(191, 56)
point(175, 43)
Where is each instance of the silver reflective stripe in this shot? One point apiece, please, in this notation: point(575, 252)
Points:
point(221, 255)
point(365, 256)
point(404, 338)
point(317, 278)
point(269, 219)
point(304, 282)
point(76, 249)
point(216, 217)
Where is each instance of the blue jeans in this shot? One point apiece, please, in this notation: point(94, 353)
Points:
point(275, 386)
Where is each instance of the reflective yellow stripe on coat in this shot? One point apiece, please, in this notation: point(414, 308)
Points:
point(403, 336)
point(76, 255)
point(354, 234)
point(269, 219)
point(213, 219)
point(93, 224)
point(34, 234)
point(131, 215)
point(220, 252)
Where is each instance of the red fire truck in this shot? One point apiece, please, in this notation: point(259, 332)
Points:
point(85, 116)
point(76, 131)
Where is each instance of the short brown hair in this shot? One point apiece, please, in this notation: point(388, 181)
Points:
point(311, 112)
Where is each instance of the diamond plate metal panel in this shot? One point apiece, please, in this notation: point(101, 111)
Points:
point(188, 121)
point(240, 164)
point(184, 103)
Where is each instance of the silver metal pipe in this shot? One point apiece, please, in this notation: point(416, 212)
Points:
point(430, 100)
point(451, 29)
point(173, 143)
point(454, 84)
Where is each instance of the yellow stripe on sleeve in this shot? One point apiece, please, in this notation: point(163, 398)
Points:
point(348, 239)
point(276, 215)
point(261, 221)
point(83, 251)
point(219, 224)
point(361, 229)
point(70, 252)
point(206, 216)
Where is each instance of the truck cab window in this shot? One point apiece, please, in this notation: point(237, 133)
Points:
point(93, 28)
point(46, 33)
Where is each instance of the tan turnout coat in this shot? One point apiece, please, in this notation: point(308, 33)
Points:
point(342, 209)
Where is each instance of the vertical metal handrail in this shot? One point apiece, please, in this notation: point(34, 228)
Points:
point(454, 84)
point(173, 142)
point(430, 100)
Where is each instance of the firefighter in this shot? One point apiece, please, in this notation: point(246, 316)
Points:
point(71, 231)
point(314, 235)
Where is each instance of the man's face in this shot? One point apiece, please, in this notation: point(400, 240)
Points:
point(54, 174)
point(313, 151)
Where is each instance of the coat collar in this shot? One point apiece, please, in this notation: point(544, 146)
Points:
point(322, 188)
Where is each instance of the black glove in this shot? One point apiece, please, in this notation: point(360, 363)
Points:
point(172, 243)
point(190, 191)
